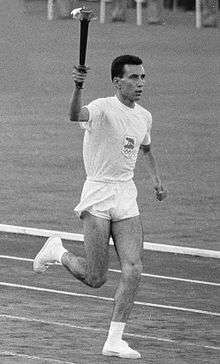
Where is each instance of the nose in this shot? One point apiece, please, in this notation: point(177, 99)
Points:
point(141, 82)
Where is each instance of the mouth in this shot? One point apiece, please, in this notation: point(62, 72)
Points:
point(139, 93)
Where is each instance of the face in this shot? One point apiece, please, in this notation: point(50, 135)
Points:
point(130, 86)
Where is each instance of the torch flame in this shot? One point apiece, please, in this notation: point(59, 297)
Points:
point(82, 14)
point(76, 13)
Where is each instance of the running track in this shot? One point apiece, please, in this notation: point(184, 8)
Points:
point(52, 318)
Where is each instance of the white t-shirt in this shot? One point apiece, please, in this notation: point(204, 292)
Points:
point(112, 139)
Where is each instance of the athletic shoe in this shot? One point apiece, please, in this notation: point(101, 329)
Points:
point(121, 350)
point(48, 254)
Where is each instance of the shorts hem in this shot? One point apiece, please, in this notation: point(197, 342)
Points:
point(97, 215)
point(80, 213)
point(126, 217)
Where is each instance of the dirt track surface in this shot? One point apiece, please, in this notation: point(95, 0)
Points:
point(72, 326)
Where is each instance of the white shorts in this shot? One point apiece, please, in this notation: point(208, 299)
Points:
point(109, 200)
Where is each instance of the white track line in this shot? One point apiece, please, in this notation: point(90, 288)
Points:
point(147, 304)
point(79, 237)
point(118, 271)
point(32, 357)
point(173, 278)
point(87, 328)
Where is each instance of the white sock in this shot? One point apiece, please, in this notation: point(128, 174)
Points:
point(116, 331)
point(60, 253)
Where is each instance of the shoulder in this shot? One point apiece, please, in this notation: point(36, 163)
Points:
point(95, 108)
point(100, 107)
point(145, 113)
point(95, 111)
point(102, 102)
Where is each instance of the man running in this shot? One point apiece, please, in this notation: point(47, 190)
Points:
point(115, 129)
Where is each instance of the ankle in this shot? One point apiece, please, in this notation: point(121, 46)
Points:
point(115, 331)
point(61, 254)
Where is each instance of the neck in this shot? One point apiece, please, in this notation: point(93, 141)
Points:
point(124, 100)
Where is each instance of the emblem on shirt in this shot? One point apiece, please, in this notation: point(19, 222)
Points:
point(128, 147)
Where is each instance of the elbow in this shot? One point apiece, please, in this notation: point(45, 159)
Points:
point(71, 119)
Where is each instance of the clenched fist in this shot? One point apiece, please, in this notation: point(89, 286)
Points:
point(161, 194)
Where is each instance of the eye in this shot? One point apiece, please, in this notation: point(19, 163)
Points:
point(137, 77)
point(134, 77)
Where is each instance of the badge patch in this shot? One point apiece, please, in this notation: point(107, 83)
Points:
point(128, 148)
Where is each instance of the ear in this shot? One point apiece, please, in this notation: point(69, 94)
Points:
point(117, 82)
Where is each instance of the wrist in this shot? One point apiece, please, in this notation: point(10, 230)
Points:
point(79, 85)
point(157, 181)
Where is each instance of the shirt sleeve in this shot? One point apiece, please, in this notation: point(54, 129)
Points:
point(95, 115)
point(147, 138)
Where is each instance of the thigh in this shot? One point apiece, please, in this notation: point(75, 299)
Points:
point(126, 202)
point(128, 239)
point(96, 242)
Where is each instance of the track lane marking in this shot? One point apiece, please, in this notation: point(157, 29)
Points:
point(118, 271)
point(94, 329)
point(147, 304)
point(79, 237)
point(33, 357)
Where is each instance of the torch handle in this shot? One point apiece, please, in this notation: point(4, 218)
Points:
point(84, 26)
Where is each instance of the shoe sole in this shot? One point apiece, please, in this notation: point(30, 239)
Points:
point(36, 265)
point(118, 355)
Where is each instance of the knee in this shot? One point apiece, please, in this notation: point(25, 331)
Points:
point(95, 281)
point(137, 269)
point(133, 270)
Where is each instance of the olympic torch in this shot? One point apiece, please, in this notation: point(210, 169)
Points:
point(84, 15)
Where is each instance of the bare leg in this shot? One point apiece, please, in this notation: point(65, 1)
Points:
point(92, 269)
point(119, 10)
point(154, 11)
point(127, 236)
point(209, 13)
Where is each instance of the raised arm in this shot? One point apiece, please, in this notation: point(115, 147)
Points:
point(77, 112)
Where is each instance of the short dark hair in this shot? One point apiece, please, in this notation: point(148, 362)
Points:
point(117, 67)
